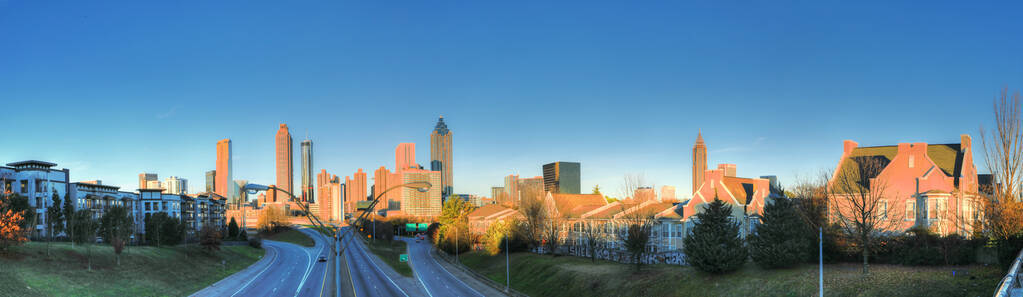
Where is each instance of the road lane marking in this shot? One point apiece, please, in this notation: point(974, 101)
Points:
point(309, 267)
point(374, 264)
point(456, 278)
point(425, 287)
point(276, 253)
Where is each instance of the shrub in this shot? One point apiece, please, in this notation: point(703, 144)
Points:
point(232, 229)
point(210, 238)
point(256, 242)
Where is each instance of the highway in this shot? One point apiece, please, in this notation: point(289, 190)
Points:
point(366, 276)
point(286, 270)
point(437, 280)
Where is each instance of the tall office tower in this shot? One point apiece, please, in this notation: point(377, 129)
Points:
point(530, 188)
point(307, 170)
point(242, 196)
point(381, 182)
point(561, 178)
point(211, 181)
point(224, 170)
point(144, 179)
point(511, 190)
point(175, 185)
point(668, 193)
point(496, 193)
point(154, 184)
point(285, 167)
point(405, 157)
point(355, 189)
point(699, 161)
point(440, 156)
point(416, 203)
point(325, 184)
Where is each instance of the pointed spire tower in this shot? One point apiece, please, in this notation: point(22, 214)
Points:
point(440, 156)
point(699, 161)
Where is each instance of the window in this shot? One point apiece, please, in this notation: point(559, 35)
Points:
point(910, 210)
point(24, 186)
point(882, 207)
point(147, 206)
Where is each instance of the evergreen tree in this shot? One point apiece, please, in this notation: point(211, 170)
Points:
point(780, 241)
point(54, 220)
point(714, 245)
point(69, 219)
point(232, 229)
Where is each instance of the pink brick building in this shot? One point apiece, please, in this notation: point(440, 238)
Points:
point(928, 185)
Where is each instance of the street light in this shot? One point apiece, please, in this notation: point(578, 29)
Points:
point(420, 186)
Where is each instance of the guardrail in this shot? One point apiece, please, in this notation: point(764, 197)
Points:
point(1011, 280)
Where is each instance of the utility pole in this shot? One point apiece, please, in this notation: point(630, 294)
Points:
point(820, 247)
point(507, 264)
point(456, 245)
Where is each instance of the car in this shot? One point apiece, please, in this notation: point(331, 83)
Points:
point(322, 259)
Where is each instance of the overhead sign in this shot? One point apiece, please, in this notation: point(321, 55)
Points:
point(403, 258)
point(410, 227)
point(423, 227)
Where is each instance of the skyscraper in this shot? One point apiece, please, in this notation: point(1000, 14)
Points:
point(307, 170)
point(285, 169)
point(511, 190)
point(223, 174)
point(144, 179)
point(561, 178)
point(327, 184)
point(211, 181)
point(440, 156)
point(176, 185)
point(355, 190)
point(382, 180)
point(405, 157)
point(699, 161)
point(416, 203)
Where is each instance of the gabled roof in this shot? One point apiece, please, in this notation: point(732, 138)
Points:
point(574, 205)
point(607, 211)
point(948, 158)
point(487, 210)
point(650, 207)
point(735, 186)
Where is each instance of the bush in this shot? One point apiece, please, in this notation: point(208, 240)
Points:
point(210, 238)
point(920, 247)
point(256, 242)
point(243, 236)
point(232, 229)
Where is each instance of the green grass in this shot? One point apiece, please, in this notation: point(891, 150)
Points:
point(573, 276)
point(292, 236)
point(390, 253)
point(26, 270)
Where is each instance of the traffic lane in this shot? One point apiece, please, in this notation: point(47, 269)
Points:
point(370, 280)
point(315, 280)
point(437, 280)
point(284, 274)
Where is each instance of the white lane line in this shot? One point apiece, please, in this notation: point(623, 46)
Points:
point(456, 278)
point(348, 257)
point(374, 264)
point(308, 267)
point(260, 272)
point(427, 288)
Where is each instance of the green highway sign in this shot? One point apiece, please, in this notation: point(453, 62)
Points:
point(403, 258)
point(410, 227)
point(423, 227)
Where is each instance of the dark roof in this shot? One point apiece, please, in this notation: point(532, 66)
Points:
point(441, 127)
point(31, 162)
point(948, 158)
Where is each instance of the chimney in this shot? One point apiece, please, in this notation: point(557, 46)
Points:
point(728, 169)
point(965, 142)
point(848, 146)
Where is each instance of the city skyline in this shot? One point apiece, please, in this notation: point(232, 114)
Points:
point(793, 89)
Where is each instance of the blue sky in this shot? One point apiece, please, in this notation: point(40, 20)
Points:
point(112, 89)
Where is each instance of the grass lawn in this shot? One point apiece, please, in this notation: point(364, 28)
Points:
point(144, 271)
point(573, 276)
point(390, 253)
point(292, 236)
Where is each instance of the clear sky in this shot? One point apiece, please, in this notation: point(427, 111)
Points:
point(111, 89)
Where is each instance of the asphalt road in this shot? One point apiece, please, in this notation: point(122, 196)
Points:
point(291, 270)
point(437, 280)
point(367, 278)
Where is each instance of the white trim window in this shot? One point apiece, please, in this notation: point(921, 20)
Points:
point(911, 210)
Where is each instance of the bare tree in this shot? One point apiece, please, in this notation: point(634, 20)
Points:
point(639, 223)
point(552, 232)
point(592, 237)
point(534, 211)
point(1003, 150)
point(860, 205)
point(631, 182)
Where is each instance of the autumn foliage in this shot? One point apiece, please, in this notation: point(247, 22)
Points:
point(11, 232)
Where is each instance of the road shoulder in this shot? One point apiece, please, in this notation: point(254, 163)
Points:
point(466, 278)
point(231, 283)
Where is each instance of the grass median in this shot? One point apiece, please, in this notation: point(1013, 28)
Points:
point(26, 270)
point(292, 236)
point(538, 275)
point(390, 253)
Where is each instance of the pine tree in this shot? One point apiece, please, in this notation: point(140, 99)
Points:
point(714, 245)
point(780, 240)
point(54, 220)
point(232, 229)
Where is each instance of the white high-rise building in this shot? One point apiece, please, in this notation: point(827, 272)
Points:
point(176, 185)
